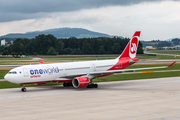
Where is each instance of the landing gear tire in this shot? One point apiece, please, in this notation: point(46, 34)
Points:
point(95, 85)
point(67, 84)
point(23, 89)
point(92, 86)
point(64, 84)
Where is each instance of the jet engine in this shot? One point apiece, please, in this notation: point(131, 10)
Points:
point(79, 82)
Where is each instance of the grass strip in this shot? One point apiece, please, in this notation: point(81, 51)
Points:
point(15, 58)
point(6, 84)
point(3, 73)
point(166, 51)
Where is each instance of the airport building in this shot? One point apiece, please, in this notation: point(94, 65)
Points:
point(3, 42)
point(177, 47)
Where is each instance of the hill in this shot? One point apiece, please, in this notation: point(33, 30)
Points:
point(59, 33)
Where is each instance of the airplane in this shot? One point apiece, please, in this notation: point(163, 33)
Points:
point(77, 74)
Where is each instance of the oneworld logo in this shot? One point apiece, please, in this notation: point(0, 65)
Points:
point(44, 71)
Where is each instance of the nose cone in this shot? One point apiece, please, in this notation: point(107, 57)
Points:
point(6, 77)
point(9, 78)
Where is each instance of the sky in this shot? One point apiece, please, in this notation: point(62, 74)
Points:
point(156, 19)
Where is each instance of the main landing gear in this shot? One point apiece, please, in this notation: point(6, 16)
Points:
point(92, 86)
point(23, 89)
point(68, 84)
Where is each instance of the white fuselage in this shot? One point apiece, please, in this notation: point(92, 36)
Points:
point(56, 71)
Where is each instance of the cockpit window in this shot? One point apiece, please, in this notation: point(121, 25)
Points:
point(12, 72)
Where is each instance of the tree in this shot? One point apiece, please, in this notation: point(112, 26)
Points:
point(51, 51)
point(18, 45)
point(176, 41)
point(101, 50)
point(42, 43)
point(20, 53)
point(140, 50)
point(59, 47)
point(164, 44)
point(116, 48)
point(67, 50)
point(76, 51)
point(5, 52)
point(35, 53)
point(13, 54)
point(88, 49)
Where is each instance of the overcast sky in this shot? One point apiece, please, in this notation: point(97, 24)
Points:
point(157, 19)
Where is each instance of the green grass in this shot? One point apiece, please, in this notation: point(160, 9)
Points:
point(3, 73)
point(117, 77)
point(166, 57)
point(6, 84)
point(146, 57)
point(15, 58)
point(104, 58)
point(77, 58)
point(166, 51)
point(157, 57)
point(8, 61)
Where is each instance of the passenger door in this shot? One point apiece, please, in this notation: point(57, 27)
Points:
point(25, 72)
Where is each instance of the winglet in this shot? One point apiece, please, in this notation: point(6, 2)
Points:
point(172, 64)
point(42, 61)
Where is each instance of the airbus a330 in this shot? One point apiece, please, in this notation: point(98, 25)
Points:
point(77, 74)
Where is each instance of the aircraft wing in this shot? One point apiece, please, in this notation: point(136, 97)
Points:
point(99, 73)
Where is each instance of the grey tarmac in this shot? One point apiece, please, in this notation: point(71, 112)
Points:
point(149, 99)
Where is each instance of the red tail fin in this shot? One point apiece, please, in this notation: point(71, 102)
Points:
point(131, 48)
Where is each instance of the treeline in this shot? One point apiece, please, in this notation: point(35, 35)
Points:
point(50, 45)
point(176, 41)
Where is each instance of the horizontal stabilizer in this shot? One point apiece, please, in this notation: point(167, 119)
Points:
point(172, 64)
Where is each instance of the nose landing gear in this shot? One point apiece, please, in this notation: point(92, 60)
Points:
point(23, 89)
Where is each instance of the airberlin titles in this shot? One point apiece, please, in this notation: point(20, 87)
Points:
point(38, 72)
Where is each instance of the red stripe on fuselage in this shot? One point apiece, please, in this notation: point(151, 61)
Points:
point(44, 82)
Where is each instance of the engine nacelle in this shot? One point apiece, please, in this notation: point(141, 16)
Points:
point(79, 82)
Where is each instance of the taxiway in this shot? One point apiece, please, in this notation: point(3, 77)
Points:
point(149, 99)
